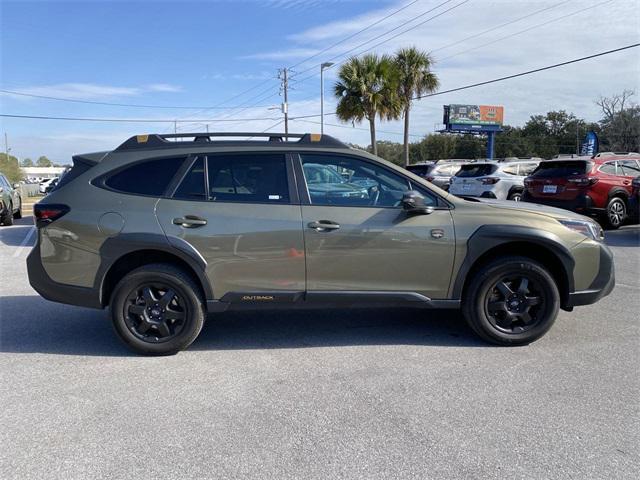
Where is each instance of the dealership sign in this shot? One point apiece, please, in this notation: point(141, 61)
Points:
point(590, 144)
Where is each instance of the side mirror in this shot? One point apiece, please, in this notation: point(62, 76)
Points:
point(413, 204)
point(16, 185)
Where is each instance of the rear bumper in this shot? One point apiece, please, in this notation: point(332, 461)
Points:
point(581, 204)
point(601, 286)
point(58, 292)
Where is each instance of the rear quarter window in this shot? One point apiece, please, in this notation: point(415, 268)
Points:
point(150, 177)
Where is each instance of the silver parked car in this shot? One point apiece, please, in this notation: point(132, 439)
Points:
point(440, 172)
point(500, 180)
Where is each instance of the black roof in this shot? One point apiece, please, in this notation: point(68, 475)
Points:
point(160, 141)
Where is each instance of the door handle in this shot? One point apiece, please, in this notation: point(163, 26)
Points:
point(323, 225)
point(190, 221)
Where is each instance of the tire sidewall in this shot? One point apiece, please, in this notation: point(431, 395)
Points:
point(183, 288)
point(475, 310)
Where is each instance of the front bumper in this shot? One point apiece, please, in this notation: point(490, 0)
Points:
point(58, 292)
point(602, 284)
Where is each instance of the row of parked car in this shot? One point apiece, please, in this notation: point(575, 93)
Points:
point(605, 186)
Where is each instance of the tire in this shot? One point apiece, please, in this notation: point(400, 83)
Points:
point(513, 315)
point(157, 309)
point(616, 213)
point(18, 214)
point(7, 220)
point(516, 196)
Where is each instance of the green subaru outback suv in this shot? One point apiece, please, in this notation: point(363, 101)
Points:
point(168, 228)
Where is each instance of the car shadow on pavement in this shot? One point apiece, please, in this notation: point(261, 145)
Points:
point(31, 324)
point(627, 236)
point(15, 235)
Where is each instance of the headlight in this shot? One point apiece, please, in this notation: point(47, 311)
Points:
point(590, 229)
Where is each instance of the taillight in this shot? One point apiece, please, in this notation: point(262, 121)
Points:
point(429, 178)
point(582, 181)
point(47, 213)
point(489, 180)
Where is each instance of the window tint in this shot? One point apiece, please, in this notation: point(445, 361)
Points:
point(3, 182)
point(420, 170)
point(476, 170)
point(248, 178)
point(146, 178)
point(629, 168)
point(561, 169)
point(609, 168)
point(192, 186)
point(348, 181)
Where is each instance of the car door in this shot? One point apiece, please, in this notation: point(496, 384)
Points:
point(359, 239)
point(241, 214)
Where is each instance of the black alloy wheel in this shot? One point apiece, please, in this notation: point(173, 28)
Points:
point(514, 303)
point(155, 313)
point(157, 309)
point(511, 300)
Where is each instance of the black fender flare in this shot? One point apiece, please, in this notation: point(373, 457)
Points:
point(620, 192)
point(488, 237)
point(116, 247)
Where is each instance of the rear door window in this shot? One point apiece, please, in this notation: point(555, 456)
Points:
point(561, 169)
point(252, 178)
point(511, 169)
point(476, 170)
point(193, 185)
point(420, 170)
point(151, 177)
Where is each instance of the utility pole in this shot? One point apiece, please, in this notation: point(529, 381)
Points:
point(283, 75)
point(322, 67)
point(6, 146)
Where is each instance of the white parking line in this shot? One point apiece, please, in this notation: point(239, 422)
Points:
point(635, 287)
point(24, 242)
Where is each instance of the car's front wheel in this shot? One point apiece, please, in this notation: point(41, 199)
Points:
point(7, 219)
point(511, 301)
point(157, 310)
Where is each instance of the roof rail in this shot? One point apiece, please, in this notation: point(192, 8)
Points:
point(161, 140)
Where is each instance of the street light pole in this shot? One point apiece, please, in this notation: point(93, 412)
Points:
point(322, 67)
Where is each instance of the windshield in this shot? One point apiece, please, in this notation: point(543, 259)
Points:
point(561, 169)
point(476, 170)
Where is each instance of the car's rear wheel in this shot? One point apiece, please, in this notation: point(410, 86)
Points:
point(157, 310)
point(616, 213)
point(7, 219)
point(511, 301)
point(516, 196)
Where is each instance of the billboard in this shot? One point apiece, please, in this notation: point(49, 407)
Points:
point(474, 115)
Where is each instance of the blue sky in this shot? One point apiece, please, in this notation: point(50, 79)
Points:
point(203, 53)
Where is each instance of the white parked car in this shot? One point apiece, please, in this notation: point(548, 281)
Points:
point(44, 184)
point(500, 180)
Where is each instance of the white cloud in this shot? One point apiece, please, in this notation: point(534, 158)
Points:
point(91, 91)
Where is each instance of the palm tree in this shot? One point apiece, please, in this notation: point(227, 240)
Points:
point(366, 88)
point(414, 78)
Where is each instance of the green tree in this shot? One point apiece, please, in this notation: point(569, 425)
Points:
point(44, 162)
point(10, 167)
point(414, 78)
point(367, 88)
point(27, 162)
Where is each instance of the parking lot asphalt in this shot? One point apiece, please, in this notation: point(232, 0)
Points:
point(319, 394)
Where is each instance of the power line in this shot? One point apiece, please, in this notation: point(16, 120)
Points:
point(388, 39)
point(528, 72)
point(136, 120)
point(526, 30)
point(91, 102)
point(355, 34)
point(476, 35)
point(353, 128)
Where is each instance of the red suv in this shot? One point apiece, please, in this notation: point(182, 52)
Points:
point(599, 186)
